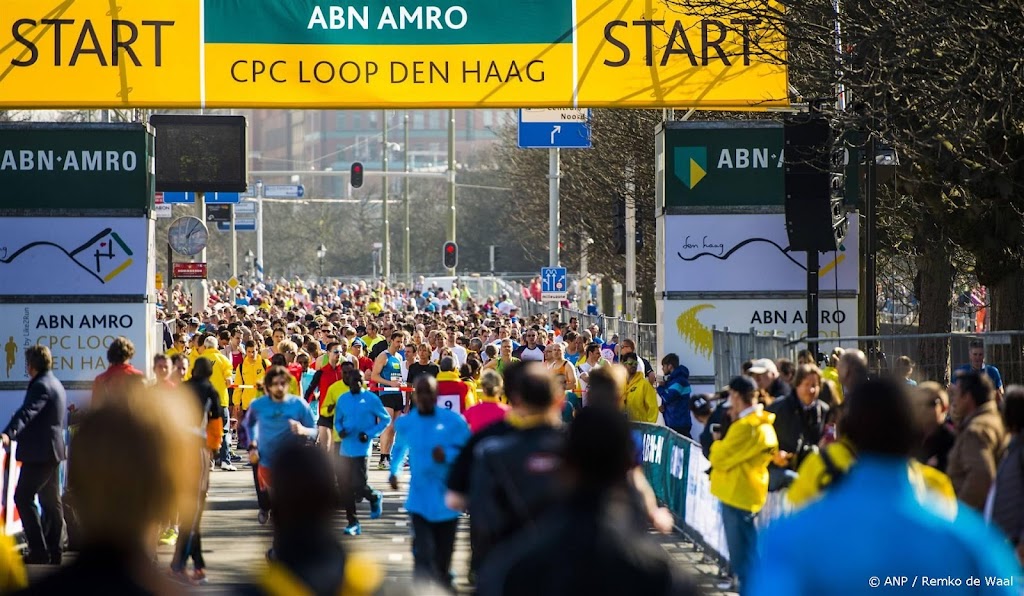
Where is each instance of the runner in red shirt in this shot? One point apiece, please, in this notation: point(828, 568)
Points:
point(451, 390)
point(120, 376)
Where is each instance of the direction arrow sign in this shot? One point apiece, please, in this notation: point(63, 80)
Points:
point(554, 128)
point(292, 191)
point(553, 284)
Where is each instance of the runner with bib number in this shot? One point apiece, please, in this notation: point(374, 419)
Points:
point(452, 392)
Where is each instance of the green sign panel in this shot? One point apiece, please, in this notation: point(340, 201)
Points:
point(47, 166)
point(730, 164)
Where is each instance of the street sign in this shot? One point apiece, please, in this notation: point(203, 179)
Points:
point(163, 211)
point(292, 191)
point(543, 128)
point(242, 224)
point(245, 208)
point(189, 271)
point(218, 214)
point(553, 286)
point(211, 198)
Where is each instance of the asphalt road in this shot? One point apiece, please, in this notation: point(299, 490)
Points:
point(234, 543)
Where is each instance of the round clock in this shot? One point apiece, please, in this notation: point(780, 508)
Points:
point(188, 236)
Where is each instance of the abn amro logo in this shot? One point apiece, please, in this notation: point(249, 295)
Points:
point(691, 164)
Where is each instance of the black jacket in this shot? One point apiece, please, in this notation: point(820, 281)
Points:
point(38, 425)
point(798, 429)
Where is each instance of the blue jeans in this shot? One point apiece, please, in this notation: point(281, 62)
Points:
point(741, 538)
point(224, 455)
point(780, 478)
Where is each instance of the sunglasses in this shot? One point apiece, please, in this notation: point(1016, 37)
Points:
point(337, 352)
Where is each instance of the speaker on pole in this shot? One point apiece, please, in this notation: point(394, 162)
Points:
point(815, 183)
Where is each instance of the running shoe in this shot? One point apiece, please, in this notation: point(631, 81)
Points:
point(199, 577)
point(227, 467)
point(263, 517)
point(377, 505)
point(354, 530)
point(169, 537)
point(383, 465)
point(180, 576)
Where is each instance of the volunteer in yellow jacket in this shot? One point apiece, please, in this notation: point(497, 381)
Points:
point(220, 379)
point(739, 472)
point(641, 398)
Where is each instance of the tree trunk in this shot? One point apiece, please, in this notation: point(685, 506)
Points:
point(935, 268)
point(1007, 297)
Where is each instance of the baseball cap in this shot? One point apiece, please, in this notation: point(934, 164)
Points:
point(701, 405)
point(762, 366)
point(194, 321)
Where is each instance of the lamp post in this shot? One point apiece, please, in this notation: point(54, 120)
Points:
point(320, 254)
point(250, 261)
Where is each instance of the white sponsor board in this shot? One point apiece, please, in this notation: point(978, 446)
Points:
point(687, 324)
point(12, 399)
point(748, 253)
point(77, 334)
point(73, 256)
point(703, 511)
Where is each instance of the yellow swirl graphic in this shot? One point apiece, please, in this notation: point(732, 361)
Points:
point(694, 332)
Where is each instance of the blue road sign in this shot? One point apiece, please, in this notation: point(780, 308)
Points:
point(212, 198)
point(554, 128)
point(552, 280)
point(241, 225)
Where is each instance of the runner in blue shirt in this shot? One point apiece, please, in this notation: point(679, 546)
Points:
point(359, 417)
point(432, 437)
point(271, 421)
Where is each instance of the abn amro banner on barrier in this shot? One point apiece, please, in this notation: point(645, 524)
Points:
point(377, 54)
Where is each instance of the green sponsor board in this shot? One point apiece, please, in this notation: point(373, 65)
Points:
point(403, 22)
point(731, 164)
point(50, 166)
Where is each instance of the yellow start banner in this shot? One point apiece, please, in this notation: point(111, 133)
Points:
point(385, 54)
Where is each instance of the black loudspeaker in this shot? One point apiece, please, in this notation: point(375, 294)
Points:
point(815, 183)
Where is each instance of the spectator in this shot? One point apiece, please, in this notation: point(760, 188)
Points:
point(1007, 510)
point(851, 370)
point(981, 438)
point(627, 347)
point(905, 369)
point(800, 421)
point(641, 398)
point(786, 370)
point(976, 354)
point(587, 528)
point(939, 432)
point(876, 499)
point(766, 375)
point(739, 474)
point(38, 427)
point(675, 395)
point(700, 413)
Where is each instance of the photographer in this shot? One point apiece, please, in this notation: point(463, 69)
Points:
point(360, 416)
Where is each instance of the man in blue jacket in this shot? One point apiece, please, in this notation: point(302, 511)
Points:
point(359, 417)
point(884, 530)
point(675, 395)
point(38, 427)
point(432, 437)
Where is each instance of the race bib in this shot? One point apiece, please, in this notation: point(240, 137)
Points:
point(450, 402)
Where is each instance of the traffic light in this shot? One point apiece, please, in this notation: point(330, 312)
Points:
point(356, 175)
point(619, 224)
point(450, 255)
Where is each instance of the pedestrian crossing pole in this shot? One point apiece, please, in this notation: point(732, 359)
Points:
point(385, 150)
point(407, 241)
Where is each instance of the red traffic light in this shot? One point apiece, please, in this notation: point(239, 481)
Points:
point(451, 255)
point(356, 175)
